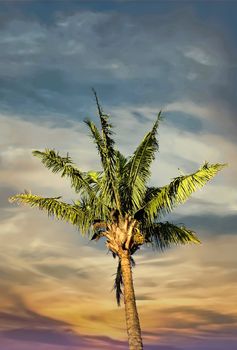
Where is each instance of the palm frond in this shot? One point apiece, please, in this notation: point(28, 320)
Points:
point(56, 208)
point(93, 177)
point(108, 155)
point(163, 235)
point(121, 162)
point(96, 208)
point(56, 163)
point(138, 169)
point(163, 200)
point(97, 138)
point(106, 129)
point(110, 160)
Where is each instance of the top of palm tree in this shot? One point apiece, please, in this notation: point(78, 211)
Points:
point(121, 186)
point(120, 193)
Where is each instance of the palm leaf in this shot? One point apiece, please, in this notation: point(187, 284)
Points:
point(56, 163)
point(110, 160)
point(138, 169)
point(108, 155)
point(121, 162)
point(162, 235)
point(164, 199)
point(106, 130)
point(97, 138)
point(56, 208)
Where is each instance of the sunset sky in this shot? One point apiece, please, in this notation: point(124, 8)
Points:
point(140, 56)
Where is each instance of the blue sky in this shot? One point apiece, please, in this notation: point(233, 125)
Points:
point(141, 57)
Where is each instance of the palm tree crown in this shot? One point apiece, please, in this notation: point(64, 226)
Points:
point(117, 202)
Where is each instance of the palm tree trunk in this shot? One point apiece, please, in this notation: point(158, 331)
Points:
point(132, 320)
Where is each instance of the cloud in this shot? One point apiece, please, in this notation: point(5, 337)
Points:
point(211, 223)
point(199, 55)
point(58, 339)
point(62, 272)
point(203, 317)
point(19, 314)
point(44, 336)
point(144, 297)
point(54, 74)
point(215, 117)
point(4, 195)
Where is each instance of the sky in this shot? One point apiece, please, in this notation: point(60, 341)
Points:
point(141, 57)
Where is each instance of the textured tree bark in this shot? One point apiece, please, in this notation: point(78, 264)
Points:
point(132, 320)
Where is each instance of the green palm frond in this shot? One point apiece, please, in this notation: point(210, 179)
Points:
point(104, 181)
point(93, 177)
point(163, 200)
point(110, 160)
point(106, 130)
point(97, 138)
point(138, 169)
point(108, 155)
point(56, 163)
point(163, 235)
point(97, 208)
point(121, 162)
point(95, 180)
point(56, 208)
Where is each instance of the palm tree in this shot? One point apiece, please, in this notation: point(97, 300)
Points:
point(116, 203)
